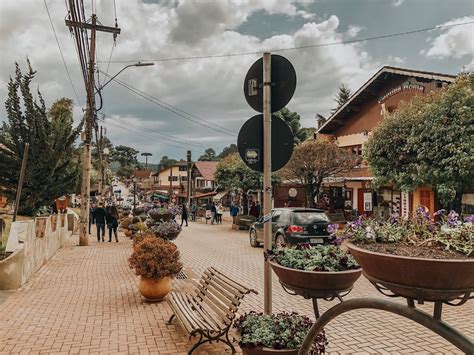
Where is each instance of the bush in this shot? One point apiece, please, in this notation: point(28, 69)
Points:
point(155, 258)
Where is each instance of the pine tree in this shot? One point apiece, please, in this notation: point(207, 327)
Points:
point(51, 167)
point(342, 97)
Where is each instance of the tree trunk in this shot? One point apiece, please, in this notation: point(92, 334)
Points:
point(245, 204)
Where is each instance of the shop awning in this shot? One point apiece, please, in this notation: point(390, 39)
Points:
point(220, 195)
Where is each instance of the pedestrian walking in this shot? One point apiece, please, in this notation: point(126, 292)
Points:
point(258, 209)
point(193, 212)
point(91, 216)
point(184, 214)
point(213, 213)
point(219, 213)
point(112, 222)
point(253, 210)
point(234, 211)
point(100, 219)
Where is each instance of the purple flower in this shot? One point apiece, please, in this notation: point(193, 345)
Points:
point(469, 218)
point(453, 219)
point(440, 212)
point(332, 228)
point(393, 218)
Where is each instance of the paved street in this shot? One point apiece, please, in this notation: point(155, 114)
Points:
point(85, 300)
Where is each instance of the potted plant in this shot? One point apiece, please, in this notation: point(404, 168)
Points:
point(156, 261)
point(281, 334)
point(168, 230)
point(416, 258)
point(125, 226)
point(163, 214)
point(322, 268)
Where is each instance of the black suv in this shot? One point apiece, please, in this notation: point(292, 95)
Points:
point(293, 226)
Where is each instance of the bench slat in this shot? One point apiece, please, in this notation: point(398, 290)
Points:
point(207, 313)
point(242, 289)
point(216, 291)
point(179, 313)
point(234, 292)
point(192, 315)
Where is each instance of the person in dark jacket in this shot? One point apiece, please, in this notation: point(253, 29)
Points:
point(213, 213)
point(184, 214)
point(100, 218)
point(112, 222)
point(253, 210)
point(91, 216)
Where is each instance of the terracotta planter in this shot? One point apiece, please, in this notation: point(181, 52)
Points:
point(127, 232)
point(270, 351)
point(316, 281)
point(154, 289)
point(417, 278)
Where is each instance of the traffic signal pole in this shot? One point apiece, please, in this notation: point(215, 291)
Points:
point(267, 181)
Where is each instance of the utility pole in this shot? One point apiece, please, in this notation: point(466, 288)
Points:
point(89, 120)
point(188, 155)
point(171, 184)
point(267, 181)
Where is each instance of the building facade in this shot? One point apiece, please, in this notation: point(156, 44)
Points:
point(351, 125)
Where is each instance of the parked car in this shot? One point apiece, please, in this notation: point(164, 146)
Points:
point(293, 226)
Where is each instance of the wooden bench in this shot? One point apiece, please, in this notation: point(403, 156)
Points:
point(211, 309)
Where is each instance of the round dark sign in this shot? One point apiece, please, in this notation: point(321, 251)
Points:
point(283, 83)
point(250, 143)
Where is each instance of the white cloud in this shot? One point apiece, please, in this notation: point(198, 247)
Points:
point(455, 42)
point(397, 3)
point(395, 60)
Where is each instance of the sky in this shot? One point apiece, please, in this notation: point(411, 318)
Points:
point(198, 103)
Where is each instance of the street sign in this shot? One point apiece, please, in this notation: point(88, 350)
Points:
point(283, 83)
point(250, 143)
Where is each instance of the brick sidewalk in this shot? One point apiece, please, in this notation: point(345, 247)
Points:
point(86, 300)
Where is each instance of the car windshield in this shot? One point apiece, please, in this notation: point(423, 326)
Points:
point(310, 217)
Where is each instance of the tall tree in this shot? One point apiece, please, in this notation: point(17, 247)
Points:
point(293, 120)
point(126, 156)
point(166, 162)
point(209, 155)
point(51, 169)
point(342, 96)
point(428, 141)
point(315, 160)
point(228, 150)
point(146, 155)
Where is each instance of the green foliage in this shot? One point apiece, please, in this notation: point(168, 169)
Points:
point(126, 156)
point(209, 155)
point(125, 172)
point(228, 151)
point(232, 173)
point(428, 141)
point(166, 162)
point(313, 258)
point(342, 96)
point(293, 120)
point(276, 331)
point(52, 166)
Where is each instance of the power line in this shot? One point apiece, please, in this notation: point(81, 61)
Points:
point(170, 108)
point(298, 47)
point(141, 134)
point(62, 56)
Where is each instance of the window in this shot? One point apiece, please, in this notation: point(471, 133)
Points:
point(184, 178)
point(276, 216)
point(174, 178)
point(183, 168)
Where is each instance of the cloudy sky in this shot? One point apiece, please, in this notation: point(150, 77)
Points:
point(199, 103)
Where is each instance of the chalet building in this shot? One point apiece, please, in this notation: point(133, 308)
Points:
point(204, 185)
point(144, 179)
point(351, 125)
point(174, 179)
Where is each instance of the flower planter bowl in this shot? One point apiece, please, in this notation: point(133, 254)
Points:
point(155, 290)
point(417, 278)
point(169, 236)
point(161, 216)
point(324, 283)
point(269, 351)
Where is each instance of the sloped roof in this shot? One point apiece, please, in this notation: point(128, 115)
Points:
point(142, 174)
point(207, 169)
point(371, 89)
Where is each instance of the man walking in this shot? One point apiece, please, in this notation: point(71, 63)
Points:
point(91, 216)
point(100, 217)
point(184, 214)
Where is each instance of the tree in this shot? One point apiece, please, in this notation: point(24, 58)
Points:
point(428, 141)
point(125, 171)
point(146, 155)
point(315, 160)
point(126, 156)
point(166, 162)
point(52, 168)
point(209, 155)
point(342, 97)
point(232, 173)
point(293, 120)
point(228, 150)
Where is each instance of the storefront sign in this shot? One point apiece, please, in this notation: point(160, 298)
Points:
point(405, 204)
point(292, 192)
point(367, 201)
point(406, 86)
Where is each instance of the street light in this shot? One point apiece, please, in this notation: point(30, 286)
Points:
point(134, 193)
point(139, 64)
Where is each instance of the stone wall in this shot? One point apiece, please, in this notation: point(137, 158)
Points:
point(32, 243)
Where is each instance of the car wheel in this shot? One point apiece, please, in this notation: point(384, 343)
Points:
point(280, 241)
point(253, 238)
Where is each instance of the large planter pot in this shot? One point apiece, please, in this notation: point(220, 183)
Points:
point(417, 278)
point(161, 216)
point(324, 282)
point(269, 351)
point(154, 289)
point(169, 236)
point(127, 232)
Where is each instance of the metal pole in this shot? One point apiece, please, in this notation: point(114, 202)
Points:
point(189, 177)
point(267, 182)
point(171, 184)
point(22, 177)
point(134, 195)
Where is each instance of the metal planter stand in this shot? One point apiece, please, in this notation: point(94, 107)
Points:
point(409, 311)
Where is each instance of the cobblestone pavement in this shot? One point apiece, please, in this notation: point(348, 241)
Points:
point(85, 300)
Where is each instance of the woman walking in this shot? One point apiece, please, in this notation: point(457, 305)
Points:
point(184, 214)
point(112, 222)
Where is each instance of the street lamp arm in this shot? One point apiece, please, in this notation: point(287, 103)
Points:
point(139, 64)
